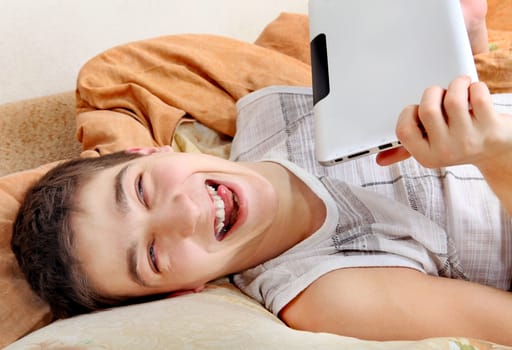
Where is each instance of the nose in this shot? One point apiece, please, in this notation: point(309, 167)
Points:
point(178, 217)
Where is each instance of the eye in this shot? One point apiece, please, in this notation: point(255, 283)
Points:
point(139, 188)
point(152, 258)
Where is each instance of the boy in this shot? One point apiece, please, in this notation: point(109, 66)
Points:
point(356, 249)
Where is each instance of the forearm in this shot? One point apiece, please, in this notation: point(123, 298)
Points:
point(401, 304)
point(499, 178)
point(495, 161)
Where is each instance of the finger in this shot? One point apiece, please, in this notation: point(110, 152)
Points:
point(392, 156)
point(481, 101)
point(456, 104)
point(409, 130)
point(432, 115)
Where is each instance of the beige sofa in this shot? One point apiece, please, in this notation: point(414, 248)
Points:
point(36, 132)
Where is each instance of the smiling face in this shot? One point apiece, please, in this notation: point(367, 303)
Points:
point(171, 222)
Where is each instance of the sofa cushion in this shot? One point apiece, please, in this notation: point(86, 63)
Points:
point(220, 317)
point(21, 311)
point(37, 131)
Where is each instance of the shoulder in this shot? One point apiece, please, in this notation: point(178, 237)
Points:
point(272, 123)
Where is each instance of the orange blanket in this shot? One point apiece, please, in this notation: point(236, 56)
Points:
point(154, 83)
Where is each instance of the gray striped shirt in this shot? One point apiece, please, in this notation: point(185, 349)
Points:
point(444, 222)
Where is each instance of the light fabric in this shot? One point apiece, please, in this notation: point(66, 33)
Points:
point(218, 318)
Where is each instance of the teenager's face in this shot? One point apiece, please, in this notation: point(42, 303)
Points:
point(171, 222)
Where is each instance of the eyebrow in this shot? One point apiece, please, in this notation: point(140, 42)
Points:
point(131, 257)
point(120, 194)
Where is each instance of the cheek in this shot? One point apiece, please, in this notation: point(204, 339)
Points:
point(168, 175)
point(190, 262)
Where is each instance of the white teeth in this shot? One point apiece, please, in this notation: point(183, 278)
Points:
point(219, 206)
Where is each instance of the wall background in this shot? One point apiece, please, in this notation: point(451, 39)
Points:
point(44, 43)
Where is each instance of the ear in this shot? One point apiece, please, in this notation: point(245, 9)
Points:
point(185, 292)
point(199, 289)
point(149, 150)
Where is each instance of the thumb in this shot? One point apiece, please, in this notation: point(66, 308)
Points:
point(392, 156)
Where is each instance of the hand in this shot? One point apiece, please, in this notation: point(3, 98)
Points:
point(474, 12)
point(453, 126)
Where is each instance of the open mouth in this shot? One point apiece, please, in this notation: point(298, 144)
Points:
point(225, 202)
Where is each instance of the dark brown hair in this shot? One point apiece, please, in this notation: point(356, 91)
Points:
point(42, 239)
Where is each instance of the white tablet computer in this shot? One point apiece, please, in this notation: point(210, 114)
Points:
point(370, 59)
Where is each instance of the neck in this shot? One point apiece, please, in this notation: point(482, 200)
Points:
point(300, 211)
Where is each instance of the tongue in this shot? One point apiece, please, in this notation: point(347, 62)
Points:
point(227, 198)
